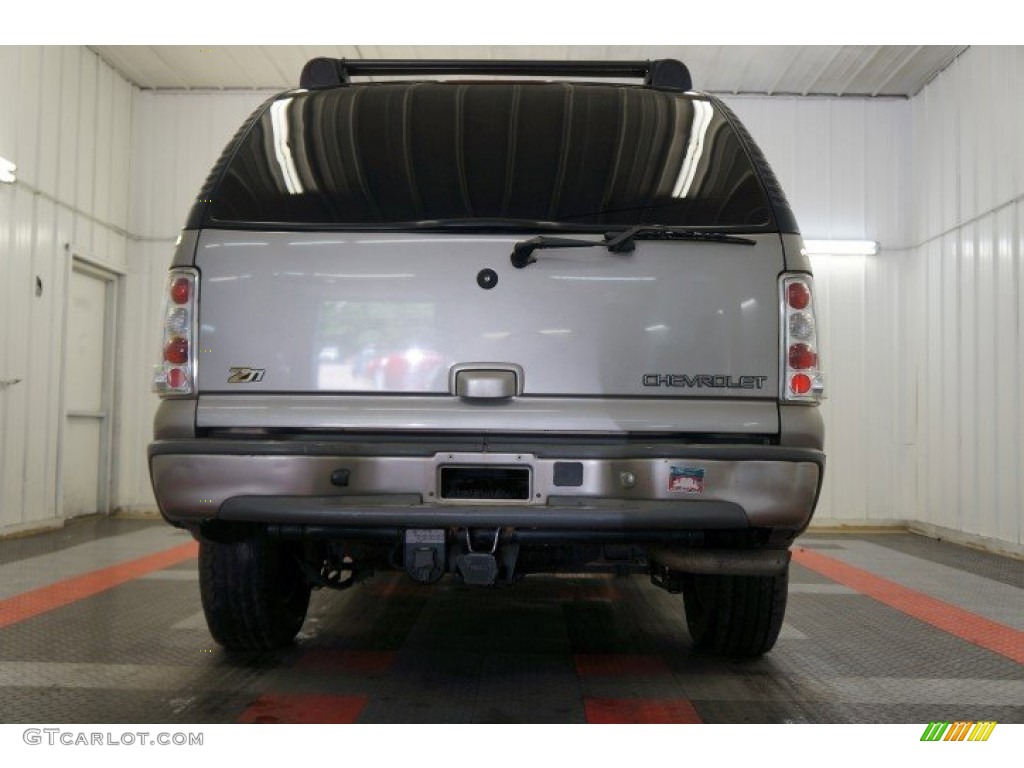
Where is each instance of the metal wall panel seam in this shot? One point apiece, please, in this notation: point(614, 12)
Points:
point(67, 164)
point(1018, 264)
point(10, 64)
point(953, 229)
point(26, 116)
point(85, 155)
point(102, 179)
point(55, 356)
point(32, 492)
point(113, 228)
point(966, 372)
point(986, 359)
point(49, 119)
point(1006, 349)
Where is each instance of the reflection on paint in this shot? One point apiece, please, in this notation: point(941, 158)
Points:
point(378, 346)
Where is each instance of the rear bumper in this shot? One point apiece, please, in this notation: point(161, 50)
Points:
point(572, 486)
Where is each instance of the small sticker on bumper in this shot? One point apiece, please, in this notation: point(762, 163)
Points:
point(686, 479)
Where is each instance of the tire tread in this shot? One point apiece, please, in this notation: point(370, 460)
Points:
point(240, 586)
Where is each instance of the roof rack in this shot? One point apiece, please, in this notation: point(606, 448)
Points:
point(330, 73)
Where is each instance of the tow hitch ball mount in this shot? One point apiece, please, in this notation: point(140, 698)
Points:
point(427, 556)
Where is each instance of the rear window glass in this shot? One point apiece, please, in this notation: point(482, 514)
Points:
point(571, 154)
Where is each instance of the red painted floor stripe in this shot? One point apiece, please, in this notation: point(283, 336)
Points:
point(968, 626)
point(301, 708)
point(613, 711)
point(403, 588)
point(334, 660)
point(588, 664)
point(29, 604)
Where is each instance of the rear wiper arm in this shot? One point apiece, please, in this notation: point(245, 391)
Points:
point(623, 241)
point(522, 253)
point(619, 242)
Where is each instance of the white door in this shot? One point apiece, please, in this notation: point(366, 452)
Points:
point(88, 383)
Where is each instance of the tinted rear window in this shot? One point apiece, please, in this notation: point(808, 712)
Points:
point(588, 154)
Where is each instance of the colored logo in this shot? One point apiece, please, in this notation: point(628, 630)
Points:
point(243, 374)
point(959, 731)
point(686, 479)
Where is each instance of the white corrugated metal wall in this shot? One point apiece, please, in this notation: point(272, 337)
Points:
point(845, 165)
point(65, 122)
point(967, 323)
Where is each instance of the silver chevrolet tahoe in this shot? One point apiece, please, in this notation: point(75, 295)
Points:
point(559, 319)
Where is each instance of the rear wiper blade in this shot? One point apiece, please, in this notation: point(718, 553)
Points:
point(620, 242)
point(623, 241)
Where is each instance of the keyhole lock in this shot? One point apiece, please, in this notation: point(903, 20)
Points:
point(487, 279)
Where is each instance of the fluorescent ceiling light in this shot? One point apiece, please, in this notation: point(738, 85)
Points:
point(841, 247)
point(8, 171)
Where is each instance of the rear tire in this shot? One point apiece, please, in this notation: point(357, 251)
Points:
point(735, 615)
point(254, 594)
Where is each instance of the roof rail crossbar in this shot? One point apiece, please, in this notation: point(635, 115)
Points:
point(330, 73)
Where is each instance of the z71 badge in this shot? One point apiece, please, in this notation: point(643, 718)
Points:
point(245, 375)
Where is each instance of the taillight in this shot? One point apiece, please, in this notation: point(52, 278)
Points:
point(175, 375)
point(797, 295)
point(802, 357)
point(802, 380)
point(181, 290)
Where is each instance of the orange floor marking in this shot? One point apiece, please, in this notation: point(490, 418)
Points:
point(996, 637)
point(37, 601)
point(615, 711)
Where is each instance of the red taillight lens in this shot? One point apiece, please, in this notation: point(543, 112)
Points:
point(798, 296)
point(800, 384)
point(176, 378)
point(802, 357)
point(181, 289)
point(176, 351)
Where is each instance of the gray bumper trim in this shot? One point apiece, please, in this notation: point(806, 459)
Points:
point(657, 515)
point(768, 486)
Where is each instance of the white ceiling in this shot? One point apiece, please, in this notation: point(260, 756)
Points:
point(828, 70)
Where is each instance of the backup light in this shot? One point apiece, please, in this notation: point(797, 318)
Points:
point(177, 321)
point(801, 326)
